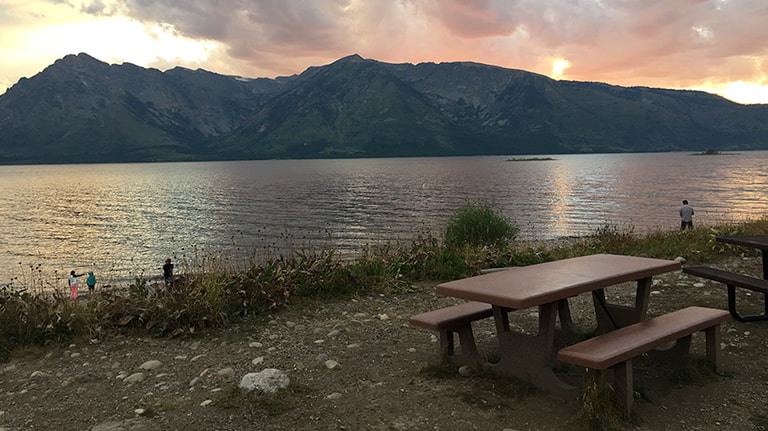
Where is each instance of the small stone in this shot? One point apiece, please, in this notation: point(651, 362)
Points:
point(383, 317)
point(333, 396)
point(466, 371)
point(331, 364)
point(226, 372)
point(255, 344)
point(206, 403)
point(134, 378)
point(151, 365)
point(257, 361)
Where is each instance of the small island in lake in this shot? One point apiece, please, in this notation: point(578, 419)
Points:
point(712, 152)
point(530, 159)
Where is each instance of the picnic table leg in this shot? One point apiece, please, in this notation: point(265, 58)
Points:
point(624, 385)
point(531, 357)
point(613, 316)
point(765, 277)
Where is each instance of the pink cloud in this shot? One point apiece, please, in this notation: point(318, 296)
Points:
point(654, 42)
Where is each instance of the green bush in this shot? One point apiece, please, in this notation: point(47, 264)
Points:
point(478, 225)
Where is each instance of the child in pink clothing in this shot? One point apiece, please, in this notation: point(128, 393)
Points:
point(73, 284)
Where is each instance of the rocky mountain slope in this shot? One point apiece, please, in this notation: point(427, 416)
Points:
point(80, 109)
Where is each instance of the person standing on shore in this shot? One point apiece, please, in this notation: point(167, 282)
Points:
point(73, 284)
point(686, 216)
point(168, 272)
point(91, 282)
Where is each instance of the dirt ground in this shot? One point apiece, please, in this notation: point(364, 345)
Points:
point(358, 365)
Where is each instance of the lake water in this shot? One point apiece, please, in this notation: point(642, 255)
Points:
point(123, 220)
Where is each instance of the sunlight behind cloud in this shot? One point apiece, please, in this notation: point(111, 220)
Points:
point(559, 66)
point(118, 39)
point(740, 91)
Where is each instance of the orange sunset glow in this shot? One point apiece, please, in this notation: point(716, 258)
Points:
point(716, 46)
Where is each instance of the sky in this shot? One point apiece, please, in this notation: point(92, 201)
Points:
point(718, 46)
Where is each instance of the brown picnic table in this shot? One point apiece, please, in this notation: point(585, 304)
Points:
point(547, 286)
point(734, 280)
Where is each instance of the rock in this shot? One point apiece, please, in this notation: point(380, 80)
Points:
point(269, 380)
point(333, 396)
point(255, 344)
point(39, 374)
point(466, 371)
point(257, 361)
point(226, 372)
point(680, 259)
point(134, 378)
point(151, 365)
point(331, 364)
point(135, 424)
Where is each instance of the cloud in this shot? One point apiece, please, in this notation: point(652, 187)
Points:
point(664, 43)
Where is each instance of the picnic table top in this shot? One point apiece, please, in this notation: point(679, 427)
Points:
point(755, 241)
point(534, 285)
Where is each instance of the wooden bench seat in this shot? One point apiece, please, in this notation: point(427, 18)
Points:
point(616, 349)
point(732, 281)
point(456, 319)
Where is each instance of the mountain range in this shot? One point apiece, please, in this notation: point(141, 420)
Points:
point(80, 109)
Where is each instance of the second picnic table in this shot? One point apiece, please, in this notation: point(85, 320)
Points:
point(548, 287)
point(733, 280)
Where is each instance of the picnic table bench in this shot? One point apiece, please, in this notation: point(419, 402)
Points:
point(451, 321)
point(616, 349)
point(732, 281)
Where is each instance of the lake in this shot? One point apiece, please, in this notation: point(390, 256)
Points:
point(123, 220)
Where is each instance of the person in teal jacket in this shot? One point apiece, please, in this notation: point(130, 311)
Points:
point(91, 282)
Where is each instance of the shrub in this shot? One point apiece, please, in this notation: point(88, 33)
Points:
point(478, 225)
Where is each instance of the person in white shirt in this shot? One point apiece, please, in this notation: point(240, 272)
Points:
point(686, 216)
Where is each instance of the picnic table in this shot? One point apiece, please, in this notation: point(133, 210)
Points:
point(759, 242)
point(548, 286)
point(734, 280)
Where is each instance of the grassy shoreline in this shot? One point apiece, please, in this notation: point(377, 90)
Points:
point(207, 294)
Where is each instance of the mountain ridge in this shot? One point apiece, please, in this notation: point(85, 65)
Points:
point(80, 109)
